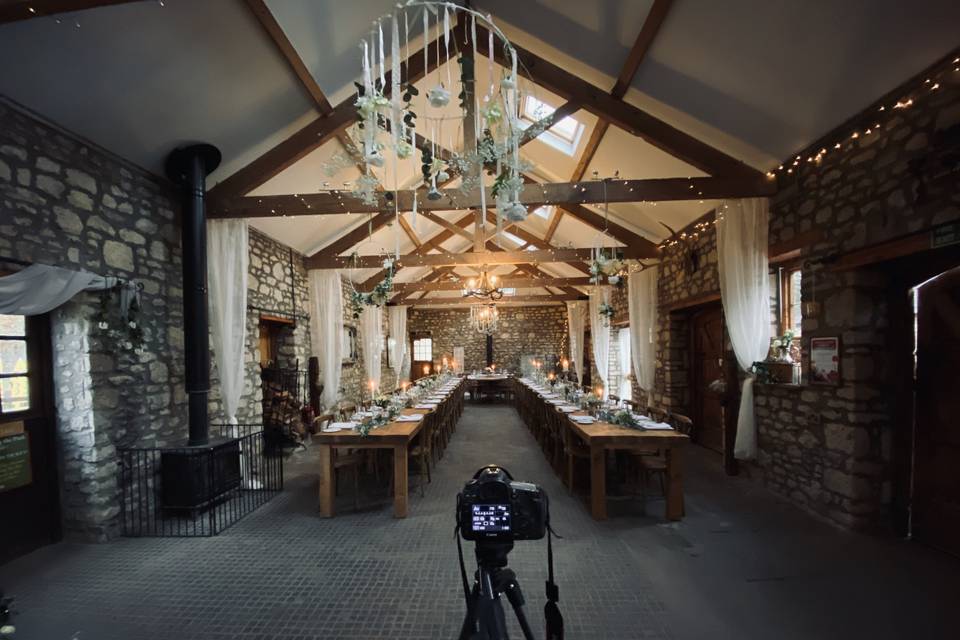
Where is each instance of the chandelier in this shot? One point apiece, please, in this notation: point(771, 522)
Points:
point(483, 287)
point(484, 318)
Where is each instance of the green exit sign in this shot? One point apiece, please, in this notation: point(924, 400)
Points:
point(945, 235)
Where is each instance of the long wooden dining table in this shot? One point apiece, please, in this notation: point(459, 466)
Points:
point(396, 436)
point(601, 437)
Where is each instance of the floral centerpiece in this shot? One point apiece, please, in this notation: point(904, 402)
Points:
point(376, 298)
point(780, 347)
point(606, 312)
point(620, 417)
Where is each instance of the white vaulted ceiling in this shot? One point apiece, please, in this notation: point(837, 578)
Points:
point(757, 79)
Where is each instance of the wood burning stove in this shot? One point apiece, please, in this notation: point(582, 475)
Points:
point(194, 478)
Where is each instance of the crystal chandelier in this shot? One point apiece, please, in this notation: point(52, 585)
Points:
point(484, 318)
point(483, 287)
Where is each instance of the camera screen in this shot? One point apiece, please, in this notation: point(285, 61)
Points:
point(491, 518)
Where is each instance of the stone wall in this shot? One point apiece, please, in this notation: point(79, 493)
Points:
point(830, 449)
point(535, 330)
point(68, 203)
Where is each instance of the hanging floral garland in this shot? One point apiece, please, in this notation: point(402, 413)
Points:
point(380, 294)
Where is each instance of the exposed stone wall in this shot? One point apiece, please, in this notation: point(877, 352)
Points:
point(67, 203)
point(536, 330)
point(829, 449)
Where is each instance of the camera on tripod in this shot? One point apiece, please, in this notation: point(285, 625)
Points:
point(494, 510)
point(493, 507)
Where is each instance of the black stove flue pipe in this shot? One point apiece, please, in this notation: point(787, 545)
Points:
point(189, 167)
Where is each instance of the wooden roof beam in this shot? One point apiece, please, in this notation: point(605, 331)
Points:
point(446, 258)
point(17, 10)
point(534, 194)
point(460, 302)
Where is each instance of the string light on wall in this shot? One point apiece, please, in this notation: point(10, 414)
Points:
point(849, 140)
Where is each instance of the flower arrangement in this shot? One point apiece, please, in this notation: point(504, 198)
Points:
point(780, 347)
point(607, 312)
point(376, 298)
point(622, 417)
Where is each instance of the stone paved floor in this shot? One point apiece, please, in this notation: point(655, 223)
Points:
point(741, 565)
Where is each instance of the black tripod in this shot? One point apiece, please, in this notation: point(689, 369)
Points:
point(485, 617)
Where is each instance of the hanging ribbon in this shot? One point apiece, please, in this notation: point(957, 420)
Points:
point(446, 44)
point(396, 123)
point(383, 80)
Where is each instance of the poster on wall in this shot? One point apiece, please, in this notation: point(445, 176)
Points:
point(14, 462)
point(825, 360)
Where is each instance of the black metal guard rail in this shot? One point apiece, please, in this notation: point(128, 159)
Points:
point(143, 509)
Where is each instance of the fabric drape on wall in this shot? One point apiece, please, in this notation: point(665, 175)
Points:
point(371, 333)
point(623, 343)
point(744, 290)
point(398, 347)
point(458, 357)
point(40, 288)
point(326, 329)
point(642, 306)
point(600, 335)
point(576, 323)
point(228, 255)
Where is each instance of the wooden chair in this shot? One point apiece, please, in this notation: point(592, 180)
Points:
point(656, 465)
point(421, 450)
point(573, 449)
point(345, 460)
point(614, 399)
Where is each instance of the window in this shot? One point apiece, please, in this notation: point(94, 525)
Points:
point(14, 368)
point(509, 291)
point(423, 349)
point(563, 135)
point(791, 317)
point(543, 212)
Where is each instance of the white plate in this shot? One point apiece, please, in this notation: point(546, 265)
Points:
point(410, 418)
point(568, 409)
point(582, 419)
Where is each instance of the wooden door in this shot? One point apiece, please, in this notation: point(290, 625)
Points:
point(936, 495)
point(29, 489)
point(706, 356)
point(421, 349)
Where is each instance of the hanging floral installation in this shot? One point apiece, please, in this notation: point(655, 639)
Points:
point(380, 294)
point(391, 111)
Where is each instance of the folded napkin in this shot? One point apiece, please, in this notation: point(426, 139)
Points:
point(339, 426)
point(656, 426)
point(425, 405)
point(414, 417)
point(583, 419)
point(567, 408)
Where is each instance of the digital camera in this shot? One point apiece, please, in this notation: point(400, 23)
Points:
point(493, 507)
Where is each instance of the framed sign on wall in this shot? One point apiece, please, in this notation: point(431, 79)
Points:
point(825, 361)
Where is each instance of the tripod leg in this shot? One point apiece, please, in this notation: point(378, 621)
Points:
point(515, 596)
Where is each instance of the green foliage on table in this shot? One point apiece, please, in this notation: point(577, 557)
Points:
point(622, 417)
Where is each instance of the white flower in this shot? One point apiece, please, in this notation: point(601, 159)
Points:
point(374, 158)
point(387, 263)
point(404, 149)
point(613, 279)
point(128, 345)
point(8, 630)
point(442, 176)
point(438, 97)
point(508, 82)
point(132, 324)
point(102, 325)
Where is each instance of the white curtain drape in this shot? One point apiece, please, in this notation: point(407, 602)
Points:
point(642, 306)
point(228, 255)
point(744, 289)
point(326, 330)
point(39, 288)
point(398, 347)
point(623, 342)
point(600, 334)
point(576, 323)
point(458, 357)
point(371, 333)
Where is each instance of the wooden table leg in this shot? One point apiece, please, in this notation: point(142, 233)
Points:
point(327, 481)
point(598, 481)
point(674, 505)
point(400, 481)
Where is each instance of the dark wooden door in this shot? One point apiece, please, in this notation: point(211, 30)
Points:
point(29, 489)
point(706, 355)
point(936, 497)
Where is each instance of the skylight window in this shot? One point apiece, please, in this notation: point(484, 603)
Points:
point(543, 212)
point(512, 238)
point(563, 135)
